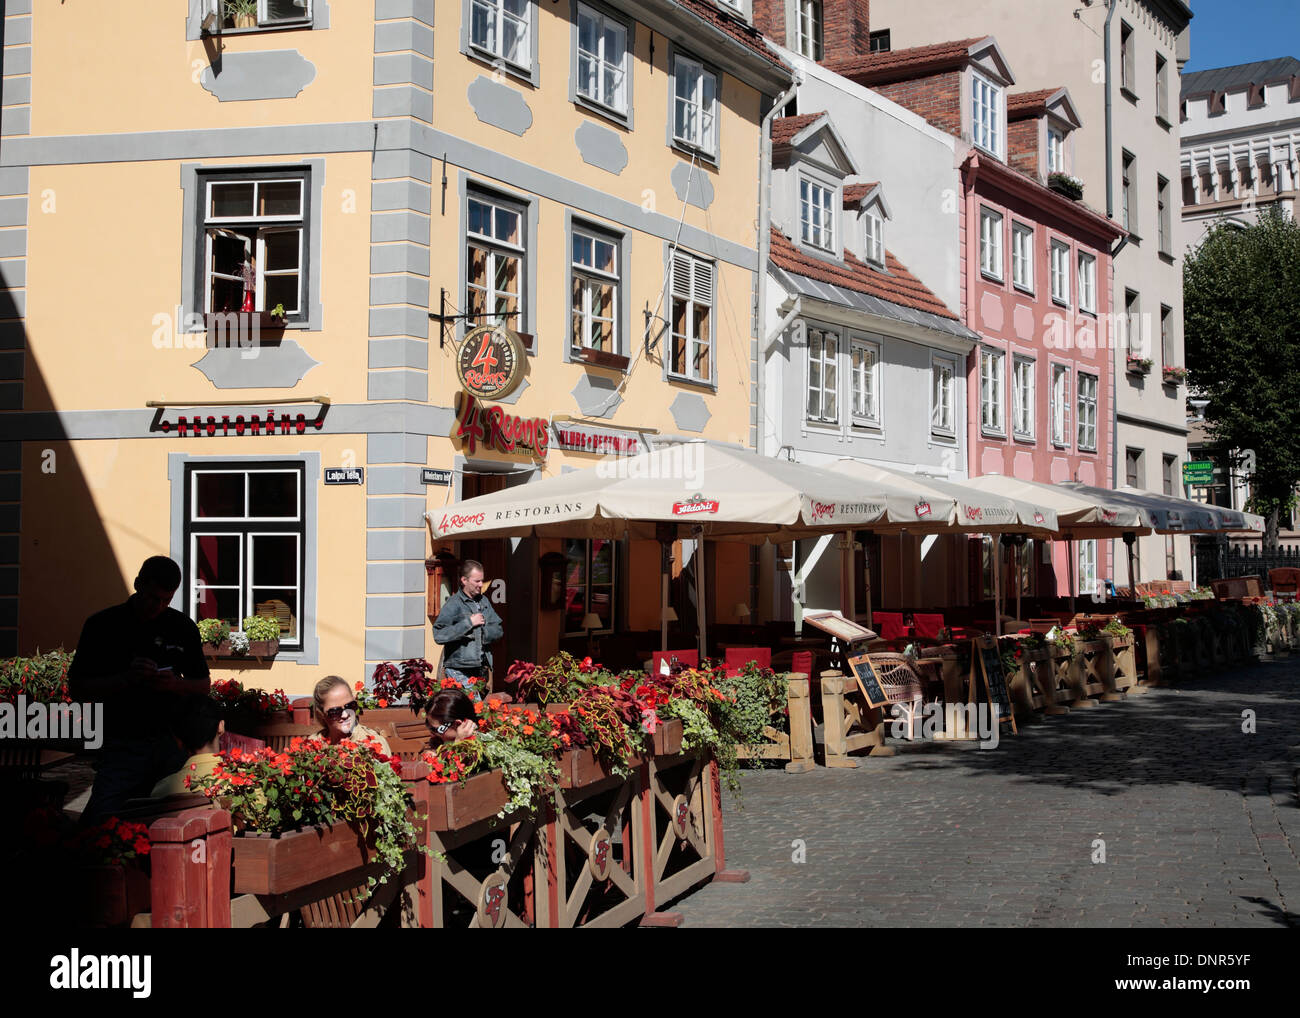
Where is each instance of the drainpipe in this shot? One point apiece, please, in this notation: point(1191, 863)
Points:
point(1110, 168)
point(765, 242)
point(1110, 213)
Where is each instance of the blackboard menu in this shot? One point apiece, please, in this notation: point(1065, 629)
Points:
point(991, 667)
point(868, 681)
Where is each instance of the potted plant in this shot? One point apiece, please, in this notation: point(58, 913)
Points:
point(262, 633)
point(215, 634)
point(241, 13)
point(1065, 184)
point(1139, 365)
point(1174, 376)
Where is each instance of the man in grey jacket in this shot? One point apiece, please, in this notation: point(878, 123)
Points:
point(467, 626)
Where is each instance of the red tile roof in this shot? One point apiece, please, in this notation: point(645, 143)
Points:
point(854, 193)
point(1028, 104)
point(895, 65)
point(732, 26)
point(787, 127)
point(898, 286)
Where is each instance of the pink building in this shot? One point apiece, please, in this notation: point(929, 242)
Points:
point(1036, 278)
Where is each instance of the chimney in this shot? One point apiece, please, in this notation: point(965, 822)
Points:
point(846, 29)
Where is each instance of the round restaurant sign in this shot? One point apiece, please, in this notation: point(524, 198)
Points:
point(490, 363)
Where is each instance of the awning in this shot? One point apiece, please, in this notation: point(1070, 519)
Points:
point(978, 510)
point(1173, 515)
point(1079, 515)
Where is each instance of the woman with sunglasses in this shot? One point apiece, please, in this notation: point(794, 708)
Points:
point(335, 707)
point(450, 716)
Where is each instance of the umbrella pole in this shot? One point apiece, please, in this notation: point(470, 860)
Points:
point(665, 567)
point(699, 590)
point(1132, 576)
point(847, 606)
point(1069, 569)
point(1020, 578)
point(866, 580)
point(997, 584)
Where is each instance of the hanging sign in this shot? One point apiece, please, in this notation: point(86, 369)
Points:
point(603, 443)
point(695, 505)
point(1198, 473)
point(496, 429)
point(490, 362)
point(194, 423)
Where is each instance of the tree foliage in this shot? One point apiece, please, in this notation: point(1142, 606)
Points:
point(1241, 301)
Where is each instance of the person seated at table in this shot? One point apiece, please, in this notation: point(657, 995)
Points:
point(198, 731)
point(450, 716)
point(334, 706)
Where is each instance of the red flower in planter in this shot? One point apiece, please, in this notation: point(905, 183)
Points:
point(142, 846)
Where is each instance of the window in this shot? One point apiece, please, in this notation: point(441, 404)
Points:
point(1060, 273)
point(879, 41)
point(1022, 256)
point(992, 383)
point(943, 396)
point(1162, 87)
point(244, 544)
point(1088, 412)
point(692, 330)
point(986, 114)
point(810, 29)
point(269, 14)
point(991, 243)
point(595, 292)
point(1127, 57)
point(494, 262)
point(1055, 151)
point(1167, 336)
point(864, 381)
point(502, 28)
point(254, 239)
point(1060, 405)
point(1168, 471)
point(602, 60)
point(589, 587)
point(1128, 197)
point(1022, 398)
point(1088, 568)
point(1134, 475)
point(1087, 283)
point(1162, 214)
point(875, 238)
point(695, 93)
point(817, 214)
point(823, 376)
point(1133, 324)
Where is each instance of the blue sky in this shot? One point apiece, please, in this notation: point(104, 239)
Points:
point(1228, 32)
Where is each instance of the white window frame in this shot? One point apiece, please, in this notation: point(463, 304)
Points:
point(1022, 256)
point(817, 211)
point(1127, 56)
point(1024, 401)
point(870, 416)
point(587, 583)
point(494, 43)
point(1086, 405)
point(618, 103)
point(875, 237)
point(1060, 405)
point(1059, 260)
point(1087, 282)
point(822, 405)
point(943, 396)
point(1087, 567)
point(988, 116)
point(992, 257)
point(701, 139)
point(694, 282)
point(993, 384)
point(253, 230)
point(1162, 87)
point(495, 249)
point(809, 30)
point(1164, 215)
point(1055, 150)
point(589, 276)
point(264, 19)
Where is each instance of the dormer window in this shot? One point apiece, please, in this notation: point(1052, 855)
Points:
point(817, 214)
point(987, 118)
point(875, 236)
point(1055, 151)
point(810, 29)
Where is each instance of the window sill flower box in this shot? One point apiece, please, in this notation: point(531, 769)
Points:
point(1140, 366)
point(1066, 185)
point(257, 649)
point(453, 805)
point(1174, 376)
point(601, 359)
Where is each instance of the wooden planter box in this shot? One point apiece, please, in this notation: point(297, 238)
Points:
point(452, 806)
point(257, 650)
point(277, 865)
point(241, 723)
point(668, 738)
point(112, 895)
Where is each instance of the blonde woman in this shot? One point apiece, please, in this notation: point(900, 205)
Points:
point(335, 708)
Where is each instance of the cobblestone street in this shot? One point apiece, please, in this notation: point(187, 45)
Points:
point(1199, 822)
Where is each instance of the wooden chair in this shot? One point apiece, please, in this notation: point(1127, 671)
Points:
point(1285, 582)
point(891, 630)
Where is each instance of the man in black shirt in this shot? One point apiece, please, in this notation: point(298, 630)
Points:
point(144, 661)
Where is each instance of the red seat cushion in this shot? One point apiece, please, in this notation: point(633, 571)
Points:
point(686, 658)
point(737, 657)
point(927, 626)
point(802, 661)
point(889, 625)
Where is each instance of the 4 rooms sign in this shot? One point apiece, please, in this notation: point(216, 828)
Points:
point(490, 362)
point(493, 428)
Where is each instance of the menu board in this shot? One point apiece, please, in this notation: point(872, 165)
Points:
point(868, 680)
point(984, 653)
point(844, 630)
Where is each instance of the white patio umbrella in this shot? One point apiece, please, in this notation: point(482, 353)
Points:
point(1172, 515)
point(699, 489)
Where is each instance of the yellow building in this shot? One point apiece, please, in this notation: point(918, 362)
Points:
point(585, 174)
